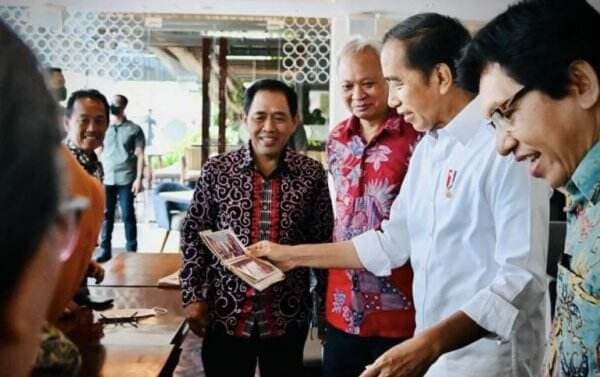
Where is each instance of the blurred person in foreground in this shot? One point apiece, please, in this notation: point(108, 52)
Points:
point(38, 217)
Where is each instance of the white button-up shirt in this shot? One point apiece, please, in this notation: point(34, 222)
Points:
point(475, 227)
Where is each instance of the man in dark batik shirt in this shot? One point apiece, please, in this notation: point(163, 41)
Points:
point(262, 192)
point(86, 121)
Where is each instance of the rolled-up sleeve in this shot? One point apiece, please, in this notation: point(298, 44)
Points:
point(387, 248)
point(520, 209)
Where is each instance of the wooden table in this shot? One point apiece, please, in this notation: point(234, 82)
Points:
point(151, 347)
point(138, 269)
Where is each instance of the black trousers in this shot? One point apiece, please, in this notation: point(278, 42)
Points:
point(232, 356)
point(347, 355)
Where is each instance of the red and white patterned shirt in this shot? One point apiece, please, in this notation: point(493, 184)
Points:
point(367, 178)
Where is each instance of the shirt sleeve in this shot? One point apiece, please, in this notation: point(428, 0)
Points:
point(382, 250)
point(196, 257)
point(520, 206)
point(140, 139)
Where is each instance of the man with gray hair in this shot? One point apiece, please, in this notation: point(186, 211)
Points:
point(368, 157)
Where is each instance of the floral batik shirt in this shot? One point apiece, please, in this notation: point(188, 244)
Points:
point(367, 178)
point(575, 342)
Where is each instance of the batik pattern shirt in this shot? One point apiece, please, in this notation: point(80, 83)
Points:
point(89, 162)
point(229, 195)
point(575, 342)
point(58, 356)
point(367, 178)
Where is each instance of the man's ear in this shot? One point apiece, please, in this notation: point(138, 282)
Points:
point(442, 74)
point(583, 81)
point(244, 118)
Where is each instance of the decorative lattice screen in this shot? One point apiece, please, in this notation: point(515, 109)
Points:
point(101, 44)
point(306, 50)
point(112, 44)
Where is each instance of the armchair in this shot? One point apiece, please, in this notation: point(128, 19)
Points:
point(169, 215)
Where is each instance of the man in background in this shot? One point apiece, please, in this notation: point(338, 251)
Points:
point(56, 83)
point(368, 156)
point(123, 162)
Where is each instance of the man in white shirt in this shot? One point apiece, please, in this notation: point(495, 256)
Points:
point(473, 224)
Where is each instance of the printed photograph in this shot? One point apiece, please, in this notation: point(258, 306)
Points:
point(224, 243)
point(255, 268)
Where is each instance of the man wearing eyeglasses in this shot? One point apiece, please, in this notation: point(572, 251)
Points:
point(473, 224)
point(540, 84)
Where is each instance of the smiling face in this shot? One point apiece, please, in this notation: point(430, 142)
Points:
point(410, 92)
point(269, 123)
point(87, 124)
point(553, 135)
point(364, 89)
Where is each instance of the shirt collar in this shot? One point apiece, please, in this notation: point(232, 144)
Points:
point(391, 122)
point(71, 145)
point(118, 124)
point(465, 124)
point(585, 181)
point(285, 161)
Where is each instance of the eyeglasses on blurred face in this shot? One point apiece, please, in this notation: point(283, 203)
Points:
point(69, 216)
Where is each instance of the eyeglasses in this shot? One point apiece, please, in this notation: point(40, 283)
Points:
point(500, 118)
point(69, 212)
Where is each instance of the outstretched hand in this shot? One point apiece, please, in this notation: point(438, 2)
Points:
point(279, 255)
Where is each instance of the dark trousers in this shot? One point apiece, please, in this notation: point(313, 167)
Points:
point(232, 356)
point(123, 194)
point(347, 355)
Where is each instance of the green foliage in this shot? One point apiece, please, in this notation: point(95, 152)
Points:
point(177, 151)
point(316, 145)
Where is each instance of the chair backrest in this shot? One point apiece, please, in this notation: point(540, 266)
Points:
point(193, 157)
point(163, 209)
point(556, 245)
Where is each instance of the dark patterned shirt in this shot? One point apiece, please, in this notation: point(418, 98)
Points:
point(89, 162)
point(292, 206)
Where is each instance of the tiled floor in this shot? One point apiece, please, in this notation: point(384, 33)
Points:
point(150, 235)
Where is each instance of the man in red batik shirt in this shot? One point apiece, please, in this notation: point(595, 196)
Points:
point(368, 156)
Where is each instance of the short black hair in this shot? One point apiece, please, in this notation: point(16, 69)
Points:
point(92, 94)
point(124, 100)
point(535, 41)
point(272, 86)
point(29, 143)
point(431, 39)
point(51, 70)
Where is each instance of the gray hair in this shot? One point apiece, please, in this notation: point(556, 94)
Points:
point(358, 45)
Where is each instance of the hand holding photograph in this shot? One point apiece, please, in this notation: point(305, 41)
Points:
point(225, 245)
